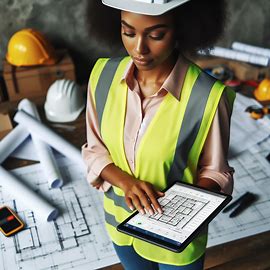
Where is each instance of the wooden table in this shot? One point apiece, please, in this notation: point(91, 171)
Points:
point(250, 253)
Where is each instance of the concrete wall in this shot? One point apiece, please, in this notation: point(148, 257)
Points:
point(63, 21)
point(248, 22)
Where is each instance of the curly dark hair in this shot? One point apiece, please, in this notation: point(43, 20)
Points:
point(198, 24)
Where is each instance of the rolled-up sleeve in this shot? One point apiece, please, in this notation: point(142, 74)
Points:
point(213, 163)
point(94, 152)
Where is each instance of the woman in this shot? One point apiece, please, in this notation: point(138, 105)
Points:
point(154, 117)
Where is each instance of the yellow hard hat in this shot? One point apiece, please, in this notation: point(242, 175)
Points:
point(262, 92)
point(29, 47)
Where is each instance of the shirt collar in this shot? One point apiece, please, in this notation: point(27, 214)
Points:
point(173, 83)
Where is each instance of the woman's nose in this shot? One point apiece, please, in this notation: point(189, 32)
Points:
point(141, 46)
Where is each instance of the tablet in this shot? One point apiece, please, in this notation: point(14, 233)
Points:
point(186, 211)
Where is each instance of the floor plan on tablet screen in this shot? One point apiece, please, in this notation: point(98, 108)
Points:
point(184, 210)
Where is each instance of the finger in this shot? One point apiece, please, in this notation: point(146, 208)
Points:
point(144, 199)
point(160, 193)
point(96, 186)
point(156, 204)
point(146, 202)
point(129, 203)
point(153, 194)
point(137, 203)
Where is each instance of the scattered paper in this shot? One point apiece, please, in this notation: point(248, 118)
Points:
point(49, 136)
point(26, 150)
point(76, 240)
point(240, 56)
point(245, 131)
point(43, 150)
point(252, 173)
point(11, 141)
point(27, 196)
point(239, 46)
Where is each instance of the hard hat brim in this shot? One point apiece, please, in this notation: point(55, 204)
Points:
point(22, 63)
point(144, 8)
point(62, 118)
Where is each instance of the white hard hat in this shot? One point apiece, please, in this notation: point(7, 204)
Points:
point(146, 7)
point(64, 101)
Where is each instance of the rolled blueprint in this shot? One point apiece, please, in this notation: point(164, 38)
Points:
point(240, 56)
point(42, 209)
point(44, 151)
point(12, 140)
point(251, 49)
point(47, 135)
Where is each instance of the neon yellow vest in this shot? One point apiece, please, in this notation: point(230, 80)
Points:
point(169, 149)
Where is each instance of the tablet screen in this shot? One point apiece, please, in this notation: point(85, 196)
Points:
point(185, 209)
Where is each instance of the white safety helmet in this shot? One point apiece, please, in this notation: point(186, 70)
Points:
point(146, 7)
point(64, 101)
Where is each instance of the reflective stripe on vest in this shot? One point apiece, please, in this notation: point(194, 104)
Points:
point(190, 126)
point(186, 131)
point(118, 200)
point(104, 84)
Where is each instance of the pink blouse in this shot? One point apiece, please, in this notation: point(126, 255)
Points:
point(213, 162)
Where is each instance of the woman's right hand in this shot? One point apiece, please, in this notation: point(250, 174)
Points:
point(141, 195)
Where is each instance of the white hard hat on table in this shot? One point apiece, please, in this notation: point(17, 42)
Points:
point(146, 7)
point(64, 101)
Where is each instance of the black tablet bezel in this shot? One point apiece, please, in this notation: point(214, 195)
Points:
point(165, 244)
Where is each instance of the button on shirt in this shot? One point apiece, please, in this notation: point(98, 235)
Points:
point(139, 113)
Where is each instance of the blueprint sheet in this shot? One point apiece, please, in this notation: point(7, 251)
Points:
point(252, 173)
point(75, 240)
point(78, 240)
point(245, 131)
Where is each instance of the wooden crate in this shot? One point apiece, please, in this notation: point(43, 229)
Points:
point(242, 71)
point(5, 125)
point(3, 90)
point(27, 82)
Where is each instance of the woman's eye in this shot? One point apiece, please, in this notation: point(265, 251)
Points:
point(129, 34)
point(157, 37)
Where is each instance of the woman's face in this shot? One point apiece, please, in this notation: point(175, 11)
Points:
point(149, 40)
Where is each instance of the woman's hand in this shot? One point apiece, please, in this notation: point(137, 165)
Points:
point(141, 195)
point(97, 184)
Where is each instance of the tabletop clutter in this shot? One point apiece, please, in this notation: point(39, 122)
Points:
point(43, 138)
point(244, 68)
point(33, 68)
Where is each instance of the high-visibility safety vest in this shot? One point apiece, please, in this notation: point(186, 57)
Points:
point(169, 150)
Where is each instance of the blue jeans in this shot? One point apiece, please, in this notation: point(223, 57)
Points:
point(132, 261)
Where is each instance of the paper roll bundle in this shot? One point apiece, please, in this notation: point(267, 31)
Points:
point(42, 209)
point(239, 46)
point(11, 141)
point(47, 135)
point(240, 56)
point(44, 151)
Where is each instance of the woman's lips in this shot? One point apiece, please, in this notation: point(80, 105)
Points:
point(142, 61)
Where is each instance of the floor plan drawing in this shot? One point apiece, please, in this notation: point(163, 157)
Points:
point(77, 239)
point(252, 173)
point(178, 210)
